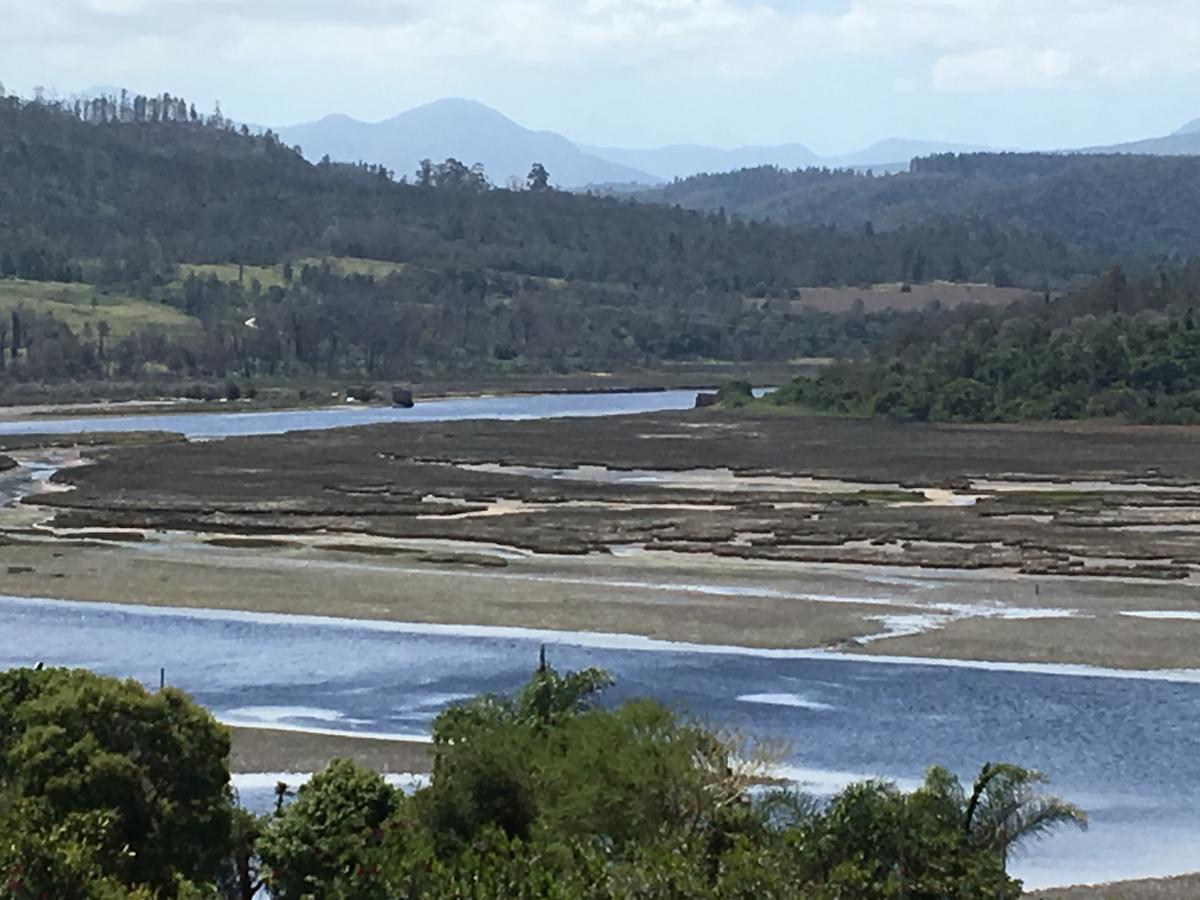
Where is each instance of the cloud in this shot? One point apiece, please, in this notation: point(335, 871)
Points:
point(963, 45)
point(1000, 68)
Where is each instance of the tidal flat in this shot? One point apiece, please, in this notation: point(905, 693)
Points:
point(1005, 543)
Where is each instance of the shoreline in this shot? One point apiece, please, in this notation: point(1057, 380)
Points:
point(697, 378)
point(268, 755)
point(255, 750)
point(604, 640)
point(994, 618)
point(1168, 887)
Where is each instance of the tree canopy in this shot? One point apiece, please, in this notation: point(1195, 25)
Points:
point(102, 783)
point(1121, 348)
point(262, 265)
point(1126, 207)
point(108, 792)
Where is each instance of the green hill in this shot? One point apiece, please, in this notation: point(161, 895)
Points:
point(1122, 206)
point(335, 270)
point(1121, 348)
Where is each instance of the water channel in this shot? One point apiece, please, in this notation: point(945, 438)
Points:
point(1122, 746)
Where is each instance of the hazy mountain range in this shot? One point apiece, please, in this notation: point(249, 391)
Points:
point(472, 132)
point(468, 131)
point(682, 160)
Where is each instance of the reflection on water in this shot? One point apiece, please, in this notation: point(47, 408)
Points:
point(1122, 747)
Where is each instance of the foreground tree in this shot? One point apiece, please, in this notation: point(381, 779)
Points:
point(316, 846)
point(135, 784)
point(547, 793)
point(1007, 808)
point(108, 792)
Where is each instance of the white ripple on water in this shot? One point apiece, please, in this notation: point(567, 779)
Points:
point(1164, 614)
point(827, 782)
point(267, 781)
point(797, 701)
point(291, 728)
point(279, 715)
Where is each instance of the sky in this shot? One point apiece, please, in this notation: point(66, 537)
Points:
point(833, 74)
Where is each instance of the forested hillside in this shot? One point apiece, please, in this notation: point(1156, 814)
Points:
point(1122, 206)
point(1128, 348)
point(344, 270)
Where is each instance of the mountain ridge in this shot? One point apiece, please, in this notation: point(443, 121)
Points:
point(463, 129)
point(471, 132)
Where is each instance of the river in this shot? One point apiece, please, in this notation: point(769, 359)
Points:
point(209, 425)
point(1123, 747)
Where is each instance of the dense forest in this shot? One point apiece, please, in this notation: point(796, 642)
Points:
point(1122, 347)
point(110, 792)
point(243, 260)
point(1123, 206)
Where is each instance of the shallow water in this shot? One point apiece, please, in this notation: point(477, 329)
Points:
point(230, 424)
point(1124, 748)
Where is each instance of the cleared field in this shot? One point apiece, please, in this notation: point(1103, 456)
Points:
point(79, 305)
point(893, 296)
point(267, 276)
point(272, 276)
point(348, 265)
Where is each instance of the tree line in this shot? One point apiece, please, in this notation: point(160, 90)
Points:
point(110, 792)
point(125, 192)
point(1125, 208)
point(1123, 347)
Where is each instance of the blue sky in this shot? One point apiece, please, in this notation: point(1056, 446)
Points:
point(833, 74)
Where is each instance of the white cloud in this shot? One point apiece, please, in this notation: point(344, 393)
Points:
point(998, 68)
point(964, 45)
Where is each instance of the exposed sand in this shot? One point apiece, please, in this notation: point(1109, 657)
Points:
point(267, 750)
point(756, 531)
point(997, 616)
point(1186, 887)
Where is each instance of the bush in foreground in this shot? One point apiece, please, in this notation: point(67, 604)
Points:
point(109, 792)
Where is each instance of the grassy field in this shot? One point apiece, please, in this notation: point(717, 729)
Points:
point(893, 296)
point(272, 276)
point(78, 305)
point(267, 276)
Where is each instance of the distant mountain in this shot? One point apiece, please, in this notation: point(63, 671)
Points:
point(894, 151)
point(465, 130)
point(685, 160)
point(1182, 143)
point(471, 132)
point(1107, 204)
point(682, 160)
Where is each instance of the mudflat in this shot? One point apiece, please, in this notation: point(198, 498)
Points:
point(256, 750)
point(1073, 543)
point(1185, 887)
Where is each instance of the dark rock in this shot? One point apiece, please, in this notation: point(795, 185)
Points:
point(703, 401)
point(402, 396)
